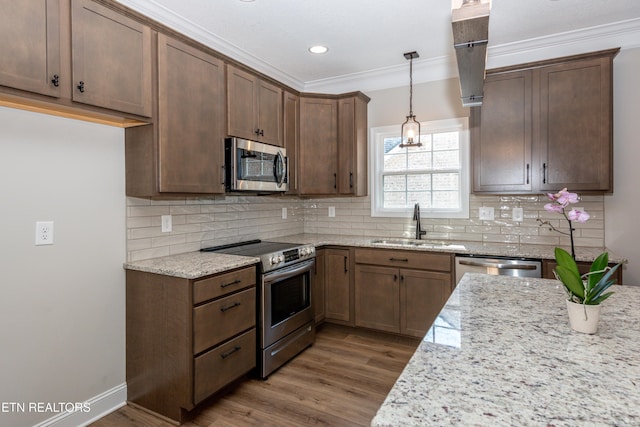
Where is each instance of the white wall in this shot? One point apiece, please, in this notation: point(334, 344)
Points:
point(622, 207)
point(61, 306)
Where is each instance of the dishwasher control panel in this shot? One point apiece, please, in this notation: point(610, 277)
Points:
point(499, 266)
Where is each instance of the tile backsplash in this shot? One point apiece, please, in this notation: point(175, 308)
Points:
point(202, 222)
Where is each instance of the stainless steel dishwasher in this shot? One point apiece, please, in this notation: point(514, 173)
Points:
point(500, 266)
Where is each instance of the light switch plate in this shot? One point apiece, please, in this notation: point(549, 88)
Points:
point(486, 213)
point(332, 211)
point(517, 214)
point(167, 225)
point(284, 213)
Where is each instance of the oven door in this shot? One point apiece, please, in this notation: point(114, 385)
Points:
point(286, 301)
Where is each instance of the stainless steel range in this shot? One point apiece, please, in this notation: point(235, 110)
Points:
point(285, 314)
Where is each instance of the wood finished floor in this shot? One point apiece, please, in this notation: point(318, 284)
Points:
point(340, 381)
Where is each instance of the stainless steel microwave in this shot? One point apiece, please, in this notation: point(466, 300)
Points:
point(254, 166)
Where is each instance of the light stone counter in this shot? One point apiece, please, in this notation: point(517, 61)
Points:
point(191, 265)
point(460, 247)
point(501, 353)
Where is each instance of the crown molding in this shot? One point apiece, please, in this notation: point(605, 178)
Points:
point(623, 34)
point(169, 18)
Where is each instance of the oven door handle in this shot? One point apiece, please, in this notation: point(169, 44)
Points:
point(287, 272)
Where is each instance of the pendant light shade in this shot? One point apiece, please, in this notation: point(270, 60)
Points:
point(410, 130)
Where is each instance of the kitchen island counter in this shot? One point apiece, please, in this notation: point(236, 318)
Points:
point(501, 353)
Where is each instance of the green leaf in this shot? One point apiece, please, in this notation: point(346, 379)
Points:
point(601, 298)
point(605, 282)
point(597, 270)
point(571, 280)
point(564, 259)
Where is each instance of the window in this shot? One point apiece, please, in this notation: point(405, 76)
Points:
point(436, 175)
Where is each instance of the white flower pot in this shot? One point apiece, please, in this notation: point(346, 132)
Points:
point(583, 318)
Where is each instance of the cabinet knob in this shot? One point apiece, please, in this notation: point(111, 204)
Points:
point(81, 86)
point(259, 132)
point(55, 80)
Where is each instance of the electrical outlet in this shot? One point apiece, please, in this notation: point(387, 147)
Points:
point(44, 233)
point(167, 224)
point(284, 213)
point(486, 213)
point(332, 211)
point(517, 214)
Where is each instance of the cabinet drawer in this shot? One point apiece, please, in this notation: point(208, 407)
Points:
point(223, 284)
point(221, 319)
point(404, 259)
point(218, 367)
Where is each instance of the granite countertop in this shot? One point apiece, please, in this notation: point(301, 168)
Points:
point(191, 265)
point(198, 264)
point(460, 247)
point(501, 353)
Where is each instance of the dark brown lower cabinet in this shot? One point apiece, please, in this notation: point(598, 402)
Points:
point(338, 285)
point(400, 291)
point(318, 286)
point(186, 339)
point(548, 266)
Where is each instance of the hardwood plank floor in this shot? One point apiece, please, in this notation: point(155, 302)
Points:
point(340, 381)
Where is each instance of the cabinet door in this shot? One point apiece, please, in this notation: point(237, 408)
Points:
point(576, 125)
point(337, 285)
point(190, 119)
point(111, 58)
point(269, 118)
point(352, 146)
point(318, 160)
point(291, 137)
point(30, 48)
point(377, 298)
point(501, 135)
point(422, 296)
point(241, 105)
point(318, 286)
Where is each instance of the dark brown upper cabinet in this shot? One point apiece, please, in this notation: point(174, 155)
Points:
point(318, 155)
point(183, 152)
point(333, 145)
point(352, 145)
point(76, 58)
point(111, 59)
point(544, 126)
point(254, 107)
point(30, 48)
point(291, 135)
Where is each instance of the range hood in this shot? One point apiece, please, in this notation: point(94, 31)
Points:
point(470, 24)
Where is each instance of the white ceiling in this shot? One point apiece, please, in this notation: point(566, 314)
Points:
point(367, 38)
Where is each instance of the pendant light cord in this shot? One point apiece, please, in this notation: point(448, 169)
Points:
point(411, 86)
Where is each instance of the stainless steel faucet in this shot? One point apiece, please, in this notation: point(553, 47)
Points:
point(416, 217)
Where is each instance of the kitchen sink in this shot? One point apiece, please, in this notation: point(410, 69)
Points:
point(408, 243)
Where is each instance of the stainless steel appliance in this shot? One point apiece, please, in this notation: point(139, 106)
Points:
point(500, 266)
point(285, 313)
point(254, 166)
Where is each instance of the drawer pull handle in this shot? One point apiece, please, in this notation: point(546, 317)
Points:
point(235, 282)
point(230, 352)
point(229, 307)
point(399, 259)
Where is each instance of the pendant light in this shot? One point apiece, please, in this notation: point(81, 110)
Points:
point(410, 130)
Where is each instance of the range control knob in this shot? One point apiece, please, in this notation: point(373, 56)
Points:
point(280, 258)
point(274, 260)
point(304, 252)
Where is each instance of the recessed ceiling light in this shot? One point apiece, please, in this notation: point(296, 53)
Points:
point(318, 49)
point(248, 1)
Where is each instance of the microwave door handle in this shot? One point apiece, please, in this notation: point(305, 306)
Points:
point(278, 169)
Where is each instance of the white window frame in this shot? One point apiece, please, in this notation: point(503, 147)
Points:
point(376, 162)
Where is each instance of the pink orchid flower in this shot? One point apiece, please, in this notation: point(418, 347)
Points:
point(553, 207)
point(580, 216)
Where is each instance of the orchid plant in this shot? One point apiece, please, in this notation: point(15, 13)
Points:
point(561, 203)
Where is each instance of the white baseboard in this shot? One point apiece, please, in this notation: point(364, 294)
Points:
point(100, 405)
